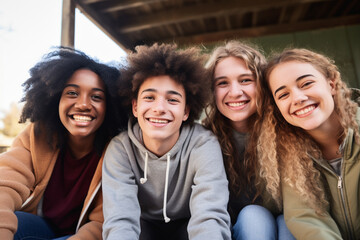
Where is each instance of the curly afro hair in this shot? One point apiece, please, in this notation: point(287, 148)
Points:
point(42, 93)
point(185, 66)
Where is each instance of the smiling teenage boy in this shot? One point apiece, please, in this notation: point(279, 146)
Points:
point(164, 178)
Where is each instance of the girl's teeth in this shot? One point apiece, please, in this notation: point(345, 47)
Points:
point(236, 104)
point(82, 118)
point(305, 110)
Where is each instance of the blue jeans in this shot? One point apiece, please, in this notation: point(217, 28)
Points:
point(32, 227)
point(256, 222)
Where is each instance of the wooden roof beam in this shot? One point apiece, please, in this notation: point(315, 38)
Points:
point(127, 4)
point(298, 13)
point(254, 18)
point(267, 30)
point(282, 15)
point(68, 23)
point(349, 7)
point(206, 10)
point(92, 1)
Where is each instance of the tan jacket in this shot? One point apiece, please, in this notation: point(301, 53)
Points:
point(342, 221)
point(25, 171)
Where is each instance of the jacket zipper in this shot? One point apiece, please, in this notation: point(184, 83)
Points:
point(342, 195)
point(340, 187)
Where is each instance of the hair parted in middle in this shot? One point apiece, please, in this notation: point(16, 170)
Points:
point(240, 174)
point(184, 66)
point(285, 150)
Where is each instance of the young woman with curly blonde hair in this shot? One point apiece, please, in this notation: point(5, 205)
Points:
point(233, 115)
point(309, 146)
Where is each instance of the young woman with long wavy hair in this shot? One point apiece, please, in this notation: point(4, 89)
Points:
point(233, 116)
point(309, 147)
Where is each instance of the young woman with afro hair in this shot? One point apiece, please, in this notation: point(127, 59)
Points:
point(50, 179)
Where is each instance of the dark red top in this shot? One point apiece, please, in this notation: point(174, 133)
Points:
point(66, 191)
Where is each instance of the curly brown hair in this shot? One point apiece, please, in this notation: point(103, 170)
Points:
point(240, 174)
point(185, 66)
point(279, 141)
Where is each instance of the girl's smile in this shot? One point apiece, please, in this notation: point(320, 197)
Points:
point(302, 94)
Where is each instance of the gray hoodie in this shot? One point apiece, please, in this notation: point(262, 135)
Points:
point(187, 182)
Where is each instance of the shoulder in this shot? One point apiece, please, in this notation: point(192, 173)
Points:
point(199, 133)
point(28, 137)
point(119, 141)
point(203, 144)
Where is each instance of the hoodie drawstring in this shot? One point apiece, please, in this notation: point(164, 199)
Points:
point(166, 188)
point(144, 179)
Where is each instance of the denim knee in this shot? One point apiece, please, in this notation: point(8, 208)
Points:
point(255, 222)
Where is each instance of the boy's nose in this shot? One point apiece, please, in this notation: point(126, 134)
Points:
point(159, 106)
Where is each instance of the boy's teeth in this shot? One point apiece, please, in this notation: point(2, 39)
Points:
point(305, 110)
point(82, 118)
point(157, 120)
point(236, 104)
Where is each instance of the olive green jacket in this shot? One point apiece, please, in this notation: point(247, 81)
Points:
point(342, 221)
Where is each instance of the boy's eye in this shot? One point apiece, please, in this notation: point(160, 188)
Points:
point(148, 97)
point(173, 100)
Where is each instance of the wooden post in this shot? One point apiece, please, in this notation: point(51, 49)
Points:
point(68, 23)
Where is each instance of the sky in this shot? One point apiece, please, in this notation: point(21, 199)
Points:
point(31, 28)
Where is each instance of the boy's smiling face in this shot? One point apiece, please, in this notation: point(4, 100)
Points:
point(160, 109)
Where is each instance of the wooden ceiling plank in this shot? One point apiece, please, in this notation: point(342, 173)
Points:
point(349, 7)
point(227, 22)
point(335, 8)
point(219, 22)
point(171, 30)
point(297, 14)
point(128, 4)
point(207, 10)
point(180, 30)
point(268, 30)
point(254, 18)
point(92, 1)
point(282, 15)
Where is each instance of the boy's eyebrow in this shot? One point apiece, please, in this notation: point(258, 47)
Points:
point(167, 92)
point(298, 79)
point(174, 92)
point(77, 86)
